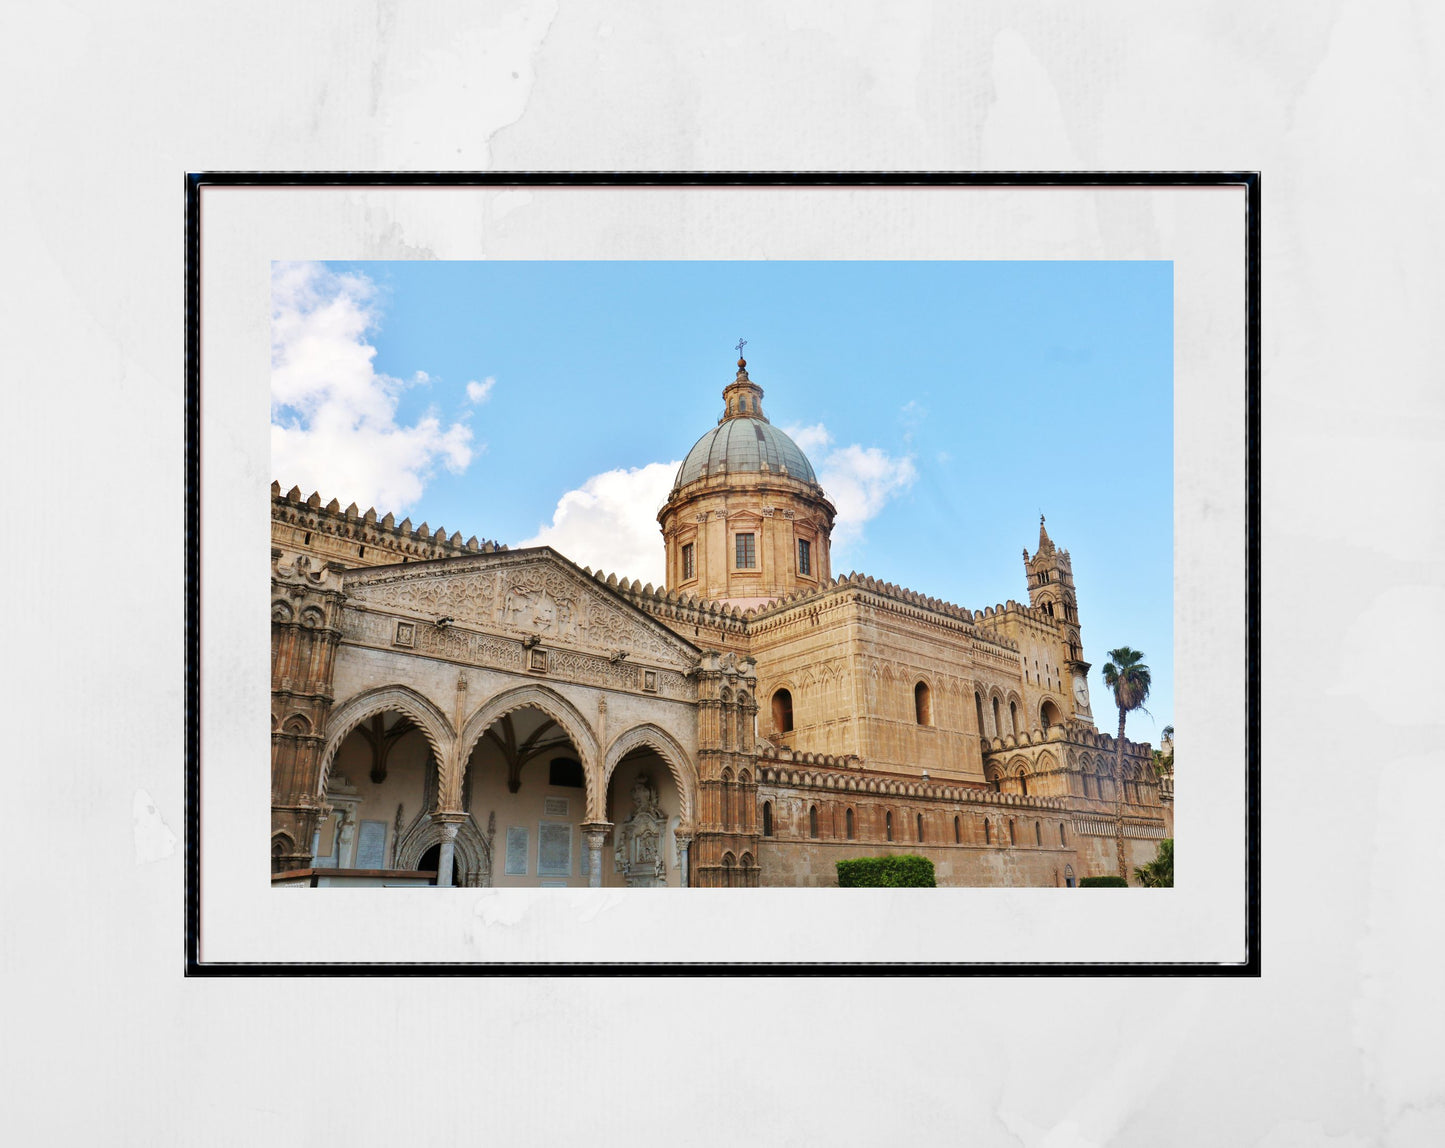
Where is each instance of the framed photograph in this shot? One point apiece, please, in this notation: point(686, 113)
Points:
point(705, 496)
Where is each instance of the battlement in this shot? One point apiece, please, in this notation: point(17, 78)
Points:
point(674, 605)
point(1069, 735)
point(355, 538)
point(825, 772)
point(1002, 611)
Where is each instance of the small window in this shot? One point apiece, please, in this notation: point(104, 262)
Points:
point(997, 725)
point(1038, 834)
point(849, 821)
point(920, 827)
point(812, 821)
point(566, 773)
point(1013, 717)
point(1012, 837)
point(888, 825)
point(922, 704)
point(987, 832)
point(783, 711)
point(689, 567)
point(767, 819)
point(805, 556)
point(957, 831)
point(746, 551)
point(978, 705)
point(1062, 839)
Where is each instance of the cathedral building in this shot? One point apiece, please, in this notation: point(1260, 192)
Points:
point(468, 714)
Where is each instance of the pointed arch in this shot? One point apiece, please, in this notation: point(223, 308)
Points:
point(551, 703)
point(473, 849)
point(667, 747)
point(402, 699)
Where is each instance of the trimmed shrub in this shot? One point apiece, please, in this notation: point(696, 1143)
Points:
point(1103, 883)
point(903, 871)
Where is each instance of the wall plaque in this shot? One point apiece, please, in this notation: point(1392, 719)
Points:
point(371, 845)
point(554, 849)
point(516, 851)
point(554, 807)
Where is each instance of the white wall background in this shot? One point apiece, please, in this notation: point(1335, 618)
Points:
point(107, 105)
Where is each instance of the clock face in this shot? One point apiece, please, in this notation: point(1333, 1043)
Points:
point(1081, 692)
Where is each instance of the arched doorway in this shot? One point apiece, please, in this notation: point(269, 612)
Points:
point(432, 858)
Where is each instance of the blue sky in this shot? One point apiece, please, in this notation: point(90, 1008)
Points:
point(944, 405)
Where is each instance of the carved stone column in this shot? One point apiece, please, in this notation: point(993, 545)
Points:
point(449, 823)
point(683, 836)
point(596, 834)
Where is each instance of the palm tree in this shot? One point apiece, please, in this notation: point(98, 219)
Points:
point(1126, 674)
point(1158, 873)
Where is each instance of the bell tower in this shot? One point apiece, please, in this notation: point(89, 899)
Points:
point(1051, 589)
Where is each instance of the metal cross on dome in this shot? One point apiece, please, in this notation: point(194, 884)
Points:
point(741, 344)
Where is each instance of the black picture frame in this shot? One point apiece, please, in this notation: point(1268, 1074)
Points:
point(1249, 182)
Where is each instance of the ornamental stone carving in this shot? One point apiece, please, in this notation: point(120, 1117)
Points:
point(536, 599)
point(641, 839)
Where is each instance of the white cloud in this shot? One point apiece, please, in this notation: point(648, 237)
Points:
point(333, 416)
point(811, 440)
point(610, 522)
point(480, 392)
point(858, 480)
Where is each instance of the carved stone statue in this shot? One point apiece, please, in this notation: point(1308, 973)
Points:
point(641, 839)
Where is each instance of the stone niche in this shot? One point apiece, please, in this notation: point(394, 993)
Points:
point(641, 842)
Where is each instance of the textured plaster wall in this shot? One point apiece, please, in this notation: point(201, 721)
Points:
point(1338, 103)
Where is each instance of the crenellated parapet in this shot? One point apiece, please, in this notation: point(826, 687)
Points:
point(356, 538)
point(846, 775)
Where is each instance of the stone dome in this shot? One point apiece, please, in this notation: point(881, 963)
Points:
point(744, 444)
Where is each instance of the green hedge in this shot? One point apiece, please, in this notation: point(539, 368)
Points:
point(1103, 883)
point(903, 871)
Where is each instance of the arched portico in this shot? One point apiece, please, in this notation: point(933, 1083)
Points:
point(432, 723)
point(549, 702)
point(667, 747)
